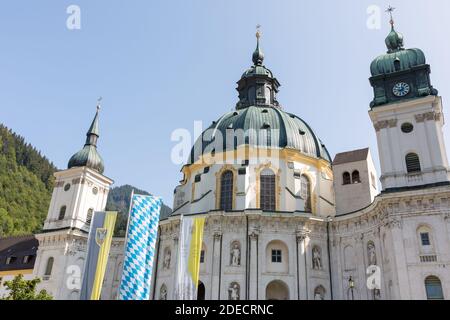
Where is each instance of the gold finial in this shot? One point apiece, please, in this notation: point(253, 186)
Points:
point(390, 10)
point(258, 31)
point(98, 103)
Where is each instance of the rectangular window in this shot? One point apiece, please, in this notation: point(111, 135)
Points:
point(26, 259)
point(425, 238)
point(11, 260)
point(242, 171)
point(202, 256)
point(276, 256)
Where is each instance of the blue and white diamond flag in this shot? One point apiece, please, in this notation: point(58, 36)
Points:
point(140, 247)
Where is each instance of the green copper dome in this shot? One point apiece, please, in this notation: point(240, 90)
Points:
point(399, 67)
point(258, 120)
point(263, 127)
point(397, 57)
point(89, 156)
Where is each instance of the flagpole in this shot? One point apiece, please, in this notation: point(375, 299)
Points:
point(87, 255)
point(130, 207)
point(180, 239)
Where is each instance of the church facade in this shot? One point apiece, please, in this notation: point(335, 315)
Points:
point(284, 220)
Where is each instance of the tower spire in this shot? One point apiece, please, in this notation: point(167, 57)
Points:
point(258, 55)
point(93, 132)
point(394, 40)
point(89, 156)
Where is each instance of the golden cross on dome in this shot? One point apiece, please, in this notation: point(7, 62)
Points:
point(390, 10)
point(258, 31)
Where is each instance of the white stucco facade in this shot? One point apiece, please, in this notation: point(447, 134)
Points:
point(282, 221)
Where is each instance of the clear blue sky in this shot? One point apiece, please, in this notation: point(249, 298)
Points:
point(161, 65)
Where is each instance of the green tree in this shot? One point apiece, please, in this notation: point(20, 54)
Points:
point(21, 289)
point(6, 223)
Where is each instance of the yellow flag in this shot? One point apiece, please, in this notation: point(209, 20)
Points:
point(103, 238)
point(195, 249)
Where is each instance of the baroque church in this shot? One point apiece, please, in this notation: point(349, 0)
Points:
point(285, 221)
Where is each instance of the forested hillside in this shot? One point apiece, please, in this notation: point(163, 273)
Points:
point(26, 183)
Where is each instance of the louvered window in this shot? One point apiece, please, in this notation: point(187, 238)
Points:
point(412, 163)
point(62, 212)
point(346, 178)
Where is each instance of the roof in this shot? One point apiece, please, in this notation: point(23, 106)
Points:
point(18, 247)
point(89, 156)
point(351, 156)
point(261, 127)
point(397, 58)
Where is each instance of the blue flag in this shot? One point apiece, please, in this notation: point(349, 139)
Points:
point(140, 248)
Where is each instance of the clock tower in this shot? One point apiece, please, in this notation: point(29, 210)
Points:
point(79, 191)
point(407, 115)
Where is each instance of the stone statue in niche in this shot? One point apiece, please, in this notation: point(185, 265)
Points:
point(319, 293)
point(235, 254)
point(371, 254)
point(167, 257)
point(163, 293)
point(317, 258)
point(233, 291)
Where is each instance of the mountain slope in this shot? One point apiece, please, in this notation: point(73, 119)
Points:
point(26, 183)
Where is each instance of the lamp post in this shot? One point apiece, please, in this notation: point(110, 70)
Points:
point(351, 285)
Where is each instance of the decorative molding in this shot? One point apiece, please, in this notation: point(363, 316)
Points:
point(390, 123)
point(428, 116)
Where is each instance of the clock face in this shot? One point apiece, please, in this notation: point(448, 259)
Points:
point(401, 89)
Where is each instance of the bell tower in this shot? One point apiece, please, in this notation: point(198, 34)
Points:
point(407, 116)
point(79, 191)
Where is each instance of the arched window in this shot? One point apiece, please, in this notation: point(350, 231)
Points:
point(412, 163)
point(267, 192)
point(355, 177)
point(306, 191)
point(62, 212)
point(433, 288)
point(201, 291)
point(49, 267)
point(226, 191)
point(89, 216)
point(346, 178)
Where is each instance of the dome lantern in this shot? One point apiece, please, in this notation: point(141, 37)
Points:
point(257, 86)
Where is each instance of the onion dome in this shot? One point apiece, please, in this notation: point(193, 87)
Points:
point(89, 156)
point(258, 120)
point(399, 68)
point(397, 58)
